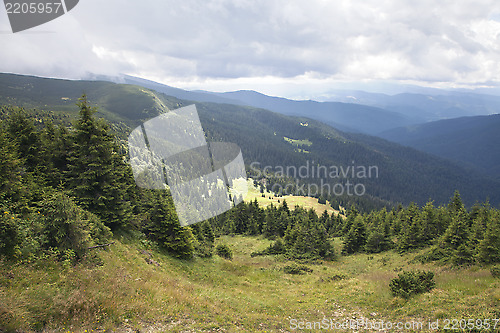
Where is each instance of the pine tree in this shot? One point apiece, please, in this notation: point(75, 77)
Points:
point(379, 237)
point(55, 148)
point(22, 130)
point(97, 175)
point(324, 219)
point(208, 232)
point(10, 172)
point(489, 247)
point(348, 222)
point(456, 205)
point(456, 238)
point(355, 239)
point(456, 234)
point(308, 238)
point(163, 227)
point(427, 221)
point(410, 229)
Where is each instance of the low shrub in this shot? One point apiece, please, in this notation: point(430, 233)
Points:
point(495, 271)
point(10, 237)
point(224, 251)
point(278, 247)
point(412, 282)
point(296, 269)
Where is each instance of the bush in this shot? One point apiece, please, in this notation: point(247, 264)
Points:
point(224, 251)
point(203, 250)
point(278, 247)
point(297, 269)
point(435, 253)
point(412, 282)
point(69, 227)
point(377, 242)
point(9, 234)
point(495, 271)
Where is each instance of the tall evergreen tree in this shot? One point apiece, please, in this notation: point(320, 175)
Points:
point(10, 172)
point(22, 130)
point(488, 250)
point(163, 227)
point(410, 229)
point(97, 175)
point(355, 239)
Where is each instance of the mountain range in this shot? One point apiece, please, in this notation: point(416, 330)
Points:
point(422, 118)
point(266, 137)
point(472, 141)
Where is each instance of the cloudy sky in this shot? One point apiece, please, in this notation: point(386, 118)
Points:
point(298, 49)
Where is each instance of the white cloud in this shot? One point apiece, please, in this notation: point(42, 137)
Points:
point(273, 44)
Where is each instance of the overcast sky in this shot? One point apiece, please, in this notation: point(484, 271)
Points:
point(298, 49)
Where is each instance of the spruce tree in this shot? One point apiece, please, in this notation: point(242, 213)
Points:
point(355, 239)
point(55, 148)
point(163, 227)
point(10, 172)
point(489, 247)
point(28, 142)
point(97, 175)
point(410, 229)
point(348, 222)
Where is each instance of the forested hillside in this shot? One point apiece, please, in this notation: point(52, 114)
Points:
point(268, 139)
point(471, 141)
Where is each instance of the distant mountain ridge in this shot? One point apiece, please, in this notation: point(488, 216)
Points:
point(441, 104)
point(345, 116)
point(350, 110)
point(473, 141)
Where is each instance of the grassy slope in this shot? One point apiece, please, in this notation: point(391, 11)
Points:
point(291, 200)
point(217, 295)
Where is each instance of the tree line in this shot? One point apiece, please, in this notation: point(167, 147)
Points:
point(448, 233)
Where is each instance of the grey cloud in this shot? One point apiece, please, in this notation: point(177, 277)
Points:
point(424, 40)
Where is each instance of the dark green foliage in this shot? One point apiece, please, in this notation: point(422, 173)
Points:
point(278, 247)
point(495, 271)
point(355, 239)
point(10, 171)
point(205, 239)
point(307, 238)
point(224, 251)
point(377, 242)
point(42, 163)
point(462, 256)
point(27, 138)
point(69, 227)
point(456, 239)
point(411, 228)
point(412, 282)
point(10, 238)
point(162, 226)
point(489, 247)
point(97, 175)
point(56, 146)
point(295, 268)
